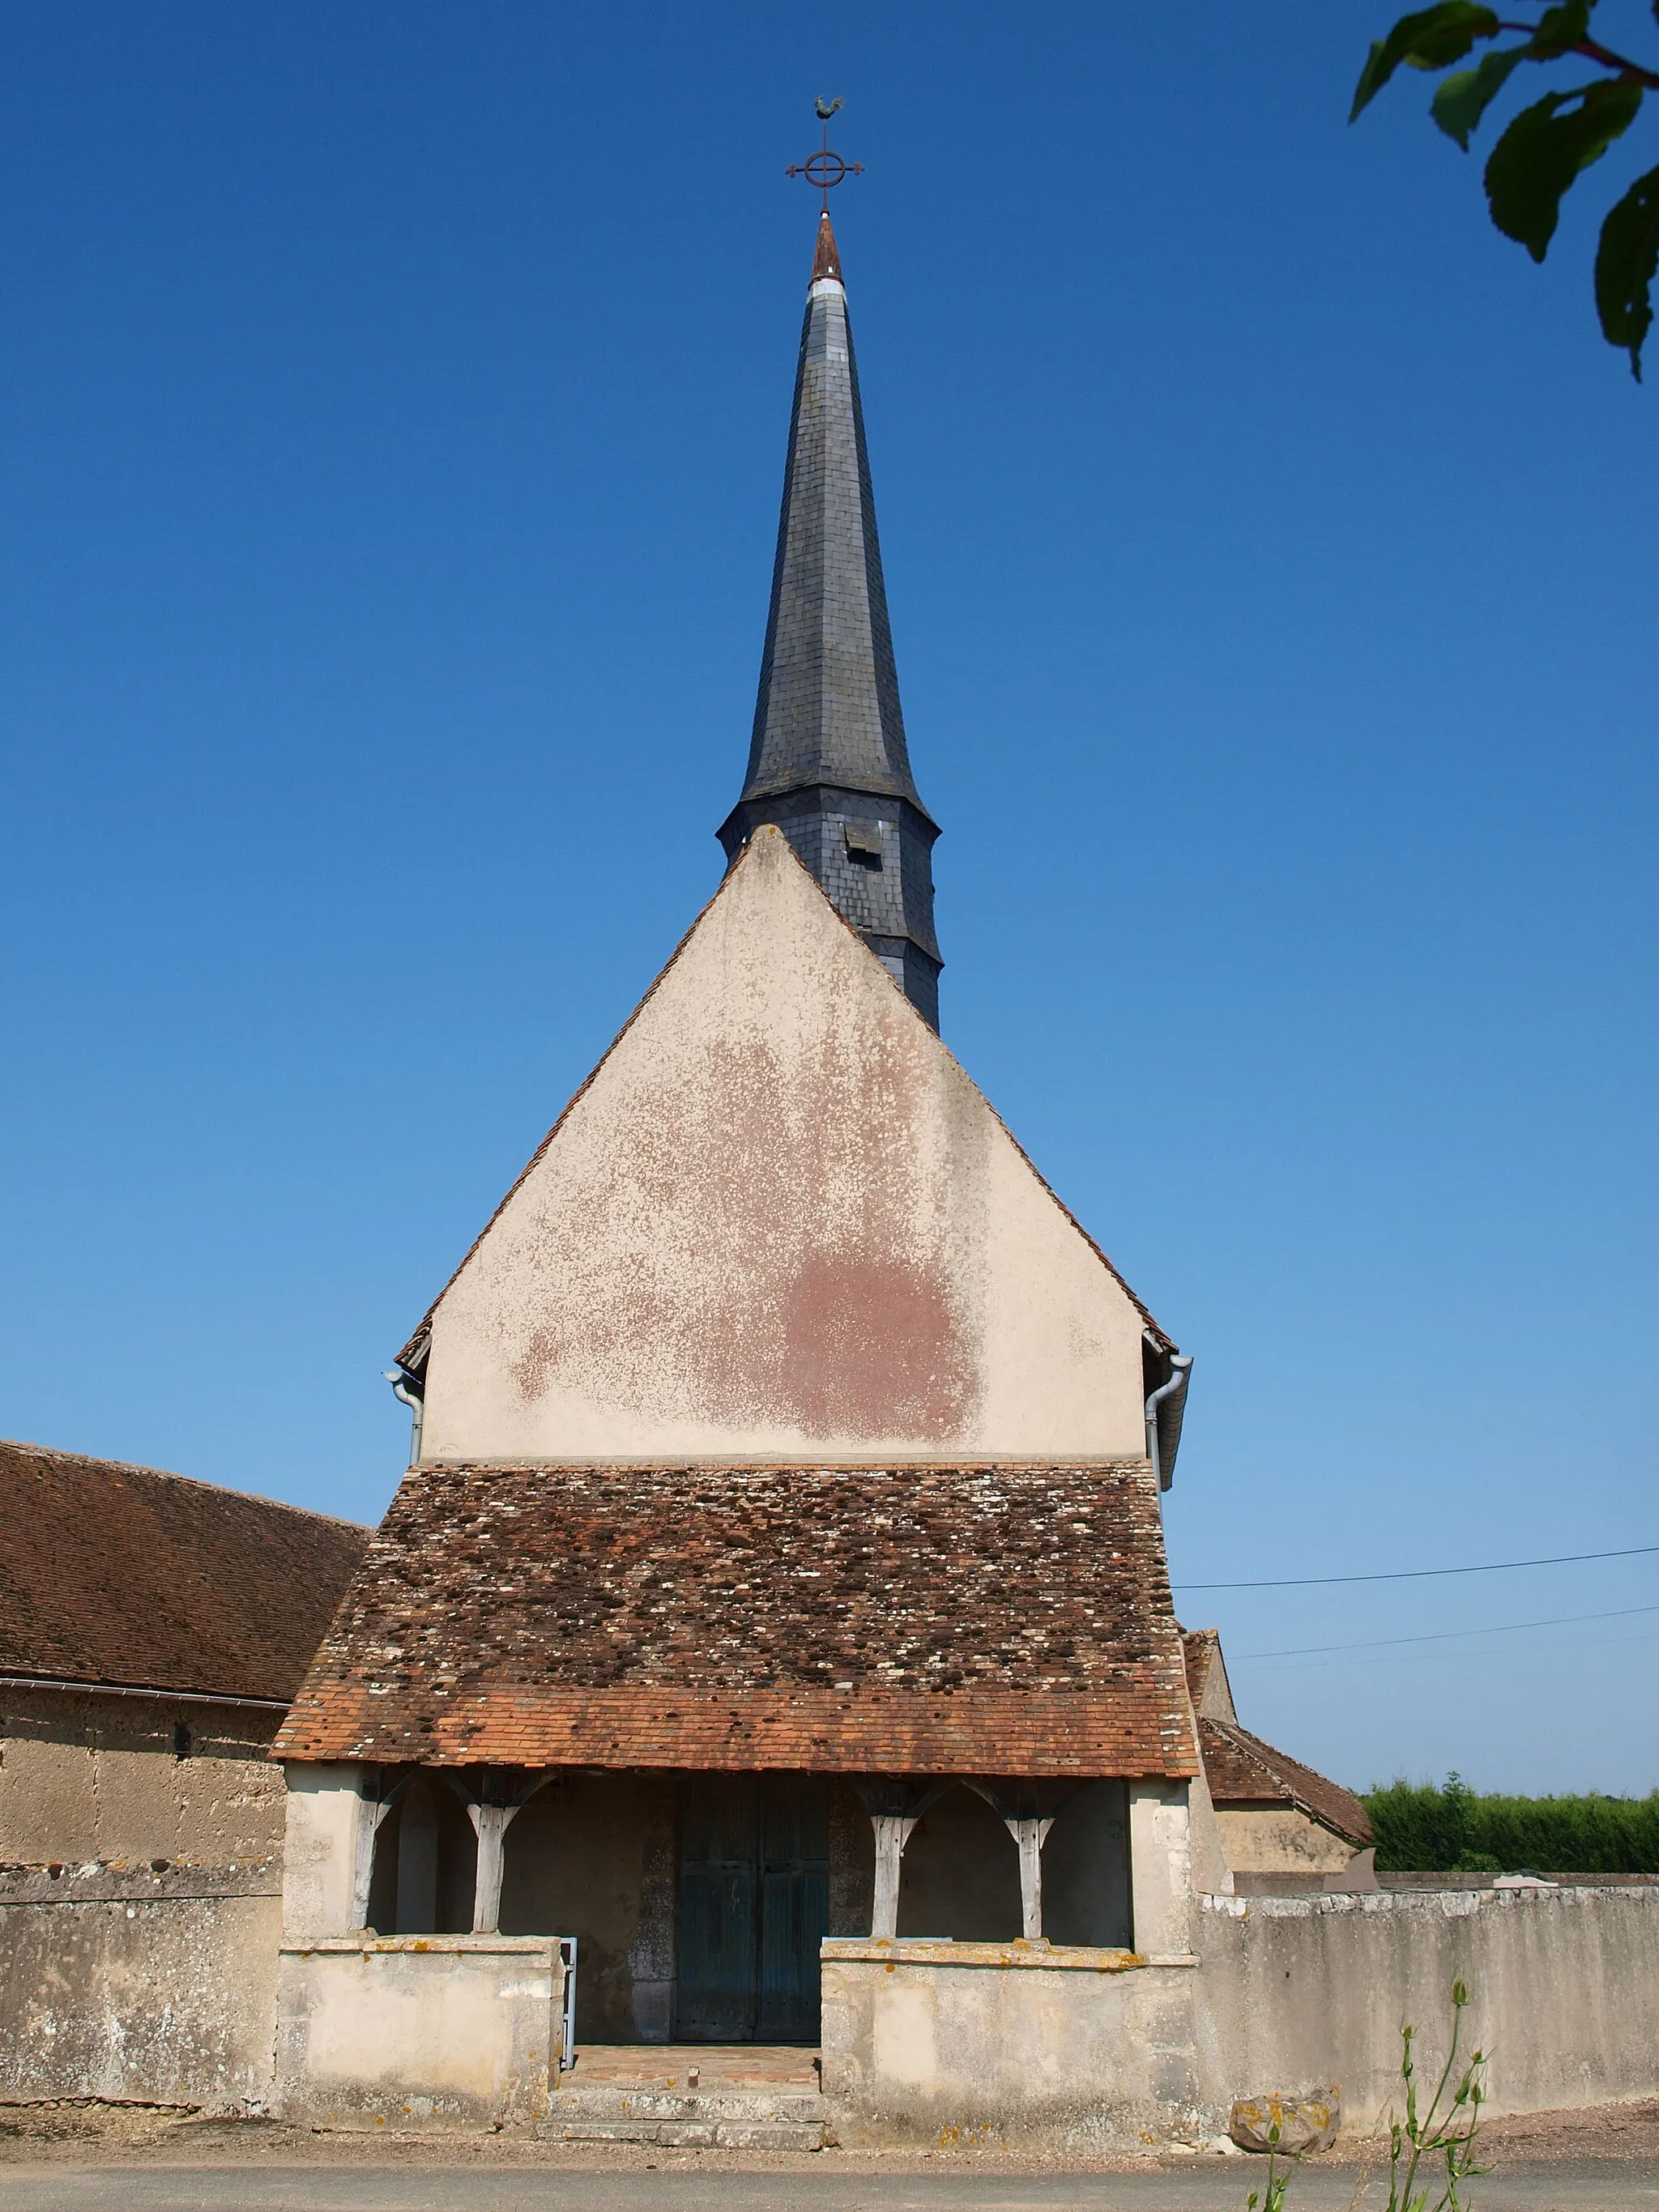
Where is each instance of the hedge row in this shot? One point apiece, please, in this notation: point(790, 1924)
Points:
point(1423, 1829)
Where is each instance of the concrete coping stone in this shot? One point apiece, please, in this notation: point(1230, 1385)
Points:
point(1050, 1957)
point(517, 1946)
point(1422, 1904)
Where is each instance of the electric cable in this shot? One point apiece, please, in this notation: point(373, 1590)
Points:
point(1450, 1635)
point(1418, 1574)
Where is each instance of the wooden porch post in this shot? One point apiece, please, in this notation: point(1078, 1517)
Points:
point(1030, 1836)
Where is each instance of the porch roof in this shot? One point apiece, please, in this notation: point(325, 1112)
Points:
point(990, 1620)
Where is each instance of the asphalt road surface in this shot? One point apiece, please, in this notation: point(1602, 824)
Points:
point(1564, 2186)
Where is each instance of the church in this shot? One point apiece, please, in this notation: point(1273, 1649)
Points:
point(780, 1564)
point(761, 1716)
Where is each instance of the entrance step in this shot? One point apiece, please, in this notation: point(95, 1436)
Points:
point(733, 2098)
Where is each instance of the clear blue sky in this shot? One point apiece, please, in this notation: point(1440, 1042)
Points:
point(394, 411)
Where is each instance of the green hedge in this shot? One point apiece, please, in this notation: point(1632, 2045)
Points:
point(1423, 1829)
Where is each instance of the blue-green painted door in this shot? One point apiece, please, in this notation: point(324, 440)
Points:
point(719, 1818)
point(794, 1906)
point(754, 1885)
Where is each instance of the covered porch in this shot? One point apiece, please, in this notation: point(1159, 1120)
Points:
point(700, 1902)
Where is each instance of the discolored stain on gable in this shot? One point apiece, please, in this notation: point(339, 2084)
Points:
point(871, 1347)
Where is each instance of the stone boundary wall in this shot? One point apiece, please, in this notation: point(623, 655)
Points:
point(1294, 1992)
point(139, 1986)
point(1085, 2049)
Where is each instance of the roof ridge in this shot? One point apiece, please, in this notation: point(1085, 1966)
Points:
point(166, 1475)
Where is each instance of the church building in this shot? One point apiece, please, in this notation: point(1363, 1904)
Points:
point(780, 1570)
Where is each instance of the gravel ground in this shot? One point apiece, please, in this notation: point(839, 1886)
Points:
point(88, 2135)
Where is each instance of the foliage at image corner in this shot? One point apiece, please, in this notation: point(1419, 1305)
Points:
point(1422, 1828)
point(1547, 146)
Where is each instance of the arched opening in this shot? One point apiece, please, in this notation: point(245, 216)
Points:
point(426, 1859)
point(1085, 1868)
point(960, 1874)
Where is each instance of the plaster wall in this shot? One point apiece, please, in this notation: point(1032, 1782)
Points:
point(138, 1987)
point(1084, 2049)
point(319, 1855)
point(1096, 2049)
point(1160, 1865)
point(1278, 1839)
point(421, 2030)
point(85, 1778)
point(1298, 1991)
point(780, 1220)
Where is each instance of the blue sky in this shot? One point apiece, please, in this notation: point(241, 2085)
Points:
point(394, 411)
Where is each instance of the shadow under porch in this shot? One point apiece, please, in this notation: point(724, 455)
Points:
point(699, 1901)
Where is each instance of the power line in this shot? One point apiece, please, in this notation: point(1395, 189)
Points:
point(1417, 1574)
point(1449, 1635)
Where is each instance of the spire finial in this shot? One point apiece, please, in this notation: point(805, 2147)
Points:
point(826, 261)
point(825, 168)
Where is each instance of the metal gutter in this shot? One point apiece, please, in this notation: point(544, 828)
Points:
point(138, 1690)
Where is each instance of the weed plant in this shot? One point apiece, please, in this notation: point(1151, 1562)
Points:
point(1435, 2149)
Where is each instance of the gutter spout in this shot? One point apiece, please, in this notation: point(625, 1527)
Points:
point(406, 1389)
point(1165, 1411)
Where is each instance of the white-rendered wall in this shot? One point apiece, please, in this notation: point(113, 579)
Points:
point(320, 1857)
point(780, 1220)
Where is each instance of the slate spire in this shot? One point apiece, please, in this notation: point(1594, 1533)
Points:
point(829, 763)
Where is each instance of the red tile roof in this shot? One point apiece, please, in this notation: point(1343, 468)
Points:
point(1241, 1769)
point(973, 1619)
point(1207, 1673)
point(122, 1575)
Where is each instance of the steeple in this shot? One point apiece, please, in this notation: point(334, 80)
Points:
point(829, 763)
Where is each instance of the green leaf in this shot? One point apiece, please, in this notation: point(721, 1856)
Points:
point(1545, 148)
point(1464, 98)
point(1433, 38)
point(1560, 30)
point(1625, 262)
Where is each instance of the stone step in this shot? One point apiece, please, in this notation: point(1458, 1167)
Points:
point(696, 2135)
point(716, 2117)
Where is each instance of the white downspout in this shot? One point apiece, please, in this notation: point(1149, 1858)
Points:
point(407, 1392)
point(1172, 1393)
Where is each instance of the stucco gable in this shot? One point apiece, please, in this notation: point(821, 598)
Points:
point(779, 1221)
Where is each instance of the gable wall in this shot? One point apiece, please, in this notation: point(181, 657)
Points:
point(780, 1221)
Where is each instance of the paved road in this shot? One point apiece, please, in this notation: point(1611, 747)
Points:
point(1580, 2185)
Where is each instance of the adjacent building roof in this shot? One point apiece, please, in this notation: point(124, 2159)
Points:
point(1207, 1674)
point(121, 1576)
point(1010, 1620)
point(1241, 1769)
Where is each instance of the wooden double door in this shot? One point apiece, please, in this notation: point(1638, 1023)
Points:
point(754, 1898)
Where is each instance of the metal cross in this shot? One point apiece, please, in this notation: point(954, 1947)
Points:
point(825, 168)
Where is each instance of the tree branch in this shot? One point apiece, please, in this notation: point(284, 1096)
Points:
point(1593, 51)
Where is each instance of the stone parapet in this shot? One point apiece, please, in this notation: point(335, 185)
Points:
point(1082, 2049)
point(439, 2031)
